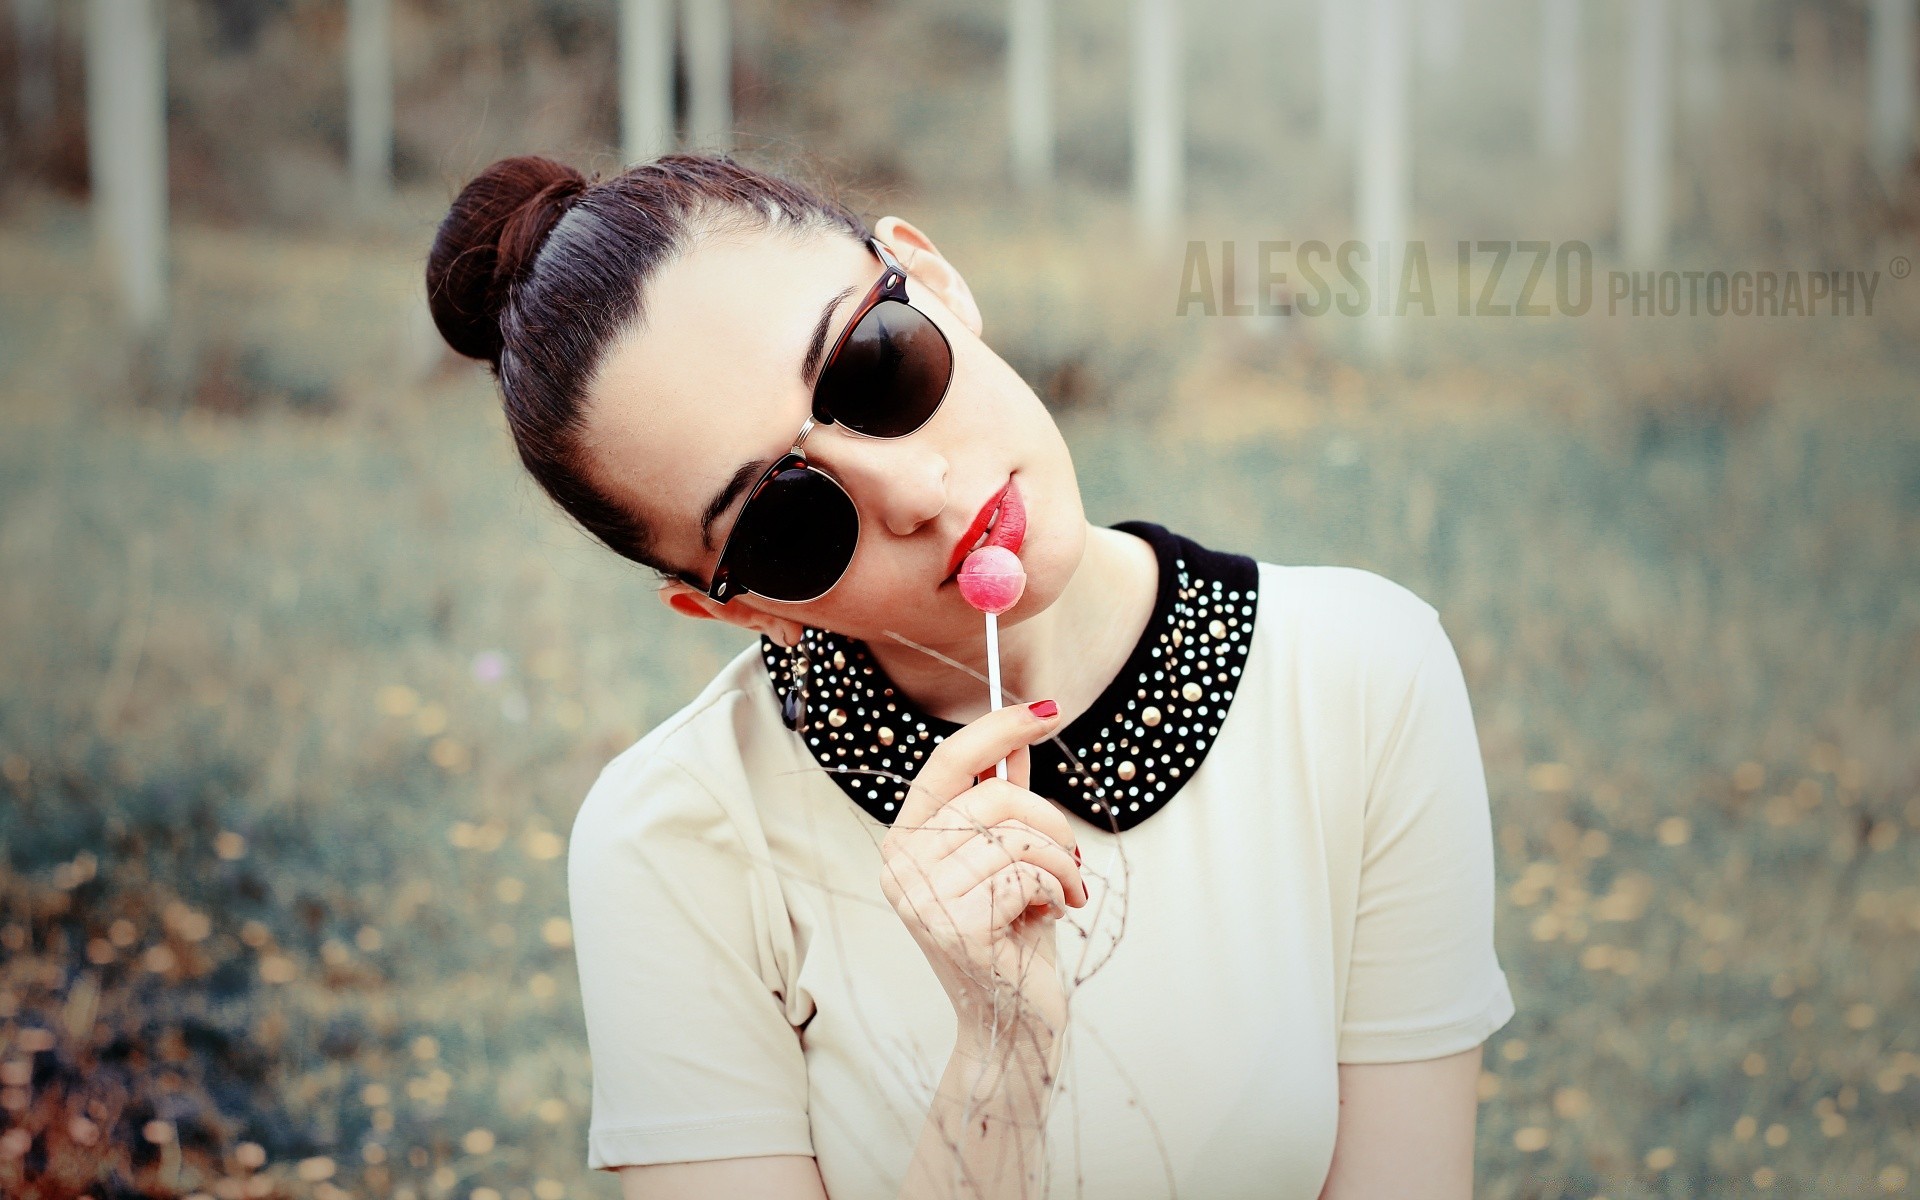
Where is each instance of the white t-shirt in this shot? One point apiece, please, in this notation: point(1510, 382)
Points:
point(1317, 890)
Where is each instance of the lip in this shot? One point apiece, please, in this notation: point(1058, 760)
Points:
point(1009, 532)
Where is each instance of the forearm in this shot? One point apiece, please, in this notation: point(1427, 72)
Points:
point(984, 1137)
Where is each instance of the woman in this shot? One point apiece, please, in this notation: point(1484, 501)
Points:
point(824, 951)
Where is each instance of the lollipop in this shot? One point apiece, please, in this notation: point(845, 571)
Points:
point(991, 580)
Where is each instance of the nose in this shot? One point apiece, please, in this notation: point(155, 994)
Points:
point(901, 483)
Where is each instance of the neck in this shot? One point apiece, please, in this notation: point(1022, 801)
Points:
point(1068, 653)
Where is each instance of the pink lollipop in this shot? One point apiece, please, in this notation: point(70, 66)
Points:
point(991, 579)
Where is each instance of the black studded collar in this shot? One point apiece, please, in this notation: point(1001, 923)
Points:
point(1143, 738)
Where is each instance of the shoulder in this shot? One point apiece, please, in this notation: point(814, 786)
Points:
point(689, 776)
point(1345, 615)
point(1347, 648)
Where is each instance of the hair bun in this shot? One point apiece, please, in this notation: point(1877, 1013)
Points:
point(489, 237)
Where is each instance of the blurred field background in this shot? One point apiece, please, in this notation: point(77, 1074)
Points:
point(303, 679)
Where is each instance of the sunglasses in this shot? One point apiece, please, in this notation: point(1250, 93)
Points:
point(884, 378)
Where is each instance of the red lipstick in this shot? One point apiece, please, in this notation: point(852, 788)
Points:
point(1009, 528)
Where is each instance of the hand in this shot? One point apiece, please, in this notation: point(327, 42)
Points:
point(978, 872)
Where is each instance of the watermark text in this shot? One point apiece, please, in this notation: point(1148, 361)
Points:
point(1503, 279)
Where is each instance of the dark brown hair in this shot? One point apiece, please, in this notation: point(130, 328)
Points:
point(536, 269)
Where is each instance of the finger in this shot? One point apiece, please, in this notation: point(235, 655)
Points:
point(970, 752)
point(1000, 898)
point(947, 833)
point(921, 863)
point(1019, 768)
point(987, 853)
point(981, 807)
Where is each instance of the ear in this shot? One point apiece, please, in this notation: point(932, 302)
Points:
point(699, 606)
point(928, 267)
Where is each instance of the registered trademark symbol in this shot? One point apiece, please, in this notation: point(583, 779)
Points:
point(1899, 267)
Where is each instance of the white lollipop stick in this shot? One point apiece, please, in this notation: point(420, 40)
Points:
point(993, 679)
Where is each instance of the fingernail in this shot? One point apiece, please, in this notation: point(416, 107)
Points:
point(1076, 856)
point(1043, 709)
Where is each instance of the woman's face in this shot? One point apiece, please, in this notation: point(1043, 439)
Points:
point(713, 379)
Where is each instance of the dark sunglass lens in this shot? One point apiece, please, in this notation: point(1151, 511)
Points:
point(795, 537)
point(890, 374)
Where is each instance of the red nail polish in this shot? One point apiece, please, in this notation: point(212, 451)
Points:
point(1043, 709)
point(1076, 856)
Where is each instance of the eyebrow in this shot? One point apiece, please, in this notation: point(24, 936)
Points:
point(747, 472)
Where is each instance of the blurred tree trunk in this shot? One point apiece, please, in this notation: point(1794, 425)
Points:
point(646, 79)
point(127, 153)
point(1562, 82)
point(707, 29)
point(1383, 180)
point(1700, 52)
point(1442, 33)
point(370, 98)
point(1339, 62)
point(1646, 165)
point(1892, 82)
point(33, 51)
point(1030, 92)
point(1158, 146)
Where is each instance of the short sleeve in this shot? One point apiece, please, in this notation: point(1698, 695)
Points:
point(673, 913)
point(1424, 980)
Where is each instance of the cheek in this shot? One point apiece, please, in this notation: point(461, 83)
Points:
point(892, 587)
point(1003, 397)
point(883, 583)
